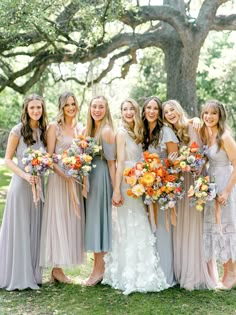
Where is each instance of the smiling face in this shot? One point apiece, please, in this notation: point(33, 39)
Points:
point(35, 110)
point(171, 114)
point(210, 116)
point(98, 109)
point(128, 112)
point(151, 111)
point(70, 109)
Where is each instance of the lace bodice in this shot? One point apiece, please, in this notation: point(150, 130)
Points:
point(22, 145)
point(217, 158)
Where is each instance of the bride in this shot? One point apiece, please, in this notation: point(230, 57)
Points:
point(133, 265)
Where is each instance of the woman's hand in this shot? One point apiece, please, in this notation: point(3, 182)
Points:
point(31, 179)
point(117, 199)
point(196, 122)
point(222, 198)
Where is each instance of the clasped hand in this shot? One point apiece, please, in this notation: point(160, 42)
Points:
point(117, 199)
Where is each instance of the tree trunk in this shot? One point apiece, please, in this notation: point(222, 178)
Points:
point(181, 67)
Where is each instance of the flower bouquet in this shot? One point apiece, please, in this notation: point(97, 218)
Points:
point(151, 179)
point(202, 191)
point(87, 145)
point(191, 158)
point(37, 163)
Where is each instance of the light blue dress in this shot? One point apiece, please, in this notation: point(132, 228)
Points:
point(20, 230)
point(98, 203)
point(164, 238)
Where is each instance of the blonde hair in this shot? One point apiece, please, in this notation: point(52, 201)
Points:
point(182, 130)
point(221, 125)
point(61, 104)
point(135, 131)
point(107, 120)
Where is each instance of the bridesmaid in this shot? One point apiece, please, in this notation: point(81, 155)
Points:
point(62, 242)
point(163, 141)
point(21, 226)
point(133, 265)
point(101, 181)
point(191, 270)
point(220, 239)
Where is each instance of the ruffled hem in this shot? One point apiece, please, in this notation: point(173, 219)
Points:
point(127, 271)
point(220, 246)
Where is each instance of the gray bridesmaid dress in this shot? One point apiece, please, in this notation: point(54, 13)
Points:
point(20, 230)
point(98, 203)
point(164, 238)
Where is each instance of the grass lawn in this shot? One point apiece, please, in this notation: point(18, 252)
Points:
point(73, 299)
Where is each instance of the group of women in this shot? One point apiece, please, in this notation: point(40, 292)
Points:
point(128, 254)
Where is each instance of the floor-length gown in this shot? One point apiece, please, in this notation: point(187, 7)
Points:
point(164, 237)
point(191, 268)
point(220, 238)
point(20, 230)
point(98, 232)
point(134, 264)
point(62, 241)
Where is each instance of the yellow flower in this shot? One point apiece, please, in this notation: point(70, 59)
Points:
point(182, 164)
point(148, 179)
point(87, 158)
point(199, 207)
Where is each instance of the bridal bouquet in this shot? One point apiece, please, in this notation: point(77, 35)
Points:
point(191, 158)
point(151, 179)
point(37, 163)
point(202, 191)
point(145, 177)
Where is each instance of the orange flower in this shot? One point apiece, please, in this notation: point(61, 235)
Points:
point(129, 192)
point(81, 137)
point(83, 144)
point(126, 171)
point(148, 179)
point(78, 162)
point(170, 178)
point(35, 162)
point(150, 191)
point(194, 147)
point(160, 172)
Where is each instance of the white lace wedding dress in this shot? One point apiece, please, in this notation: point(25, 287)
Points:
point(134, 264)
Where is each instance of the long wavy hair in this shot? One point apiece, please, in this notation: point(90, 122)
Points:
point(182, 130)
point(155, 135)
point(26, 130)
point(107, 120)
point(136, 130)
point(61, 103)
point(221, 125)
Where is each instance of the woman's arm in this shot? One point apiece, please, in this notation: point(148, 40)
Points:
point(229, 146)
point(109, 137)
point(12, 144)
point(117, 198)
point(196, 123)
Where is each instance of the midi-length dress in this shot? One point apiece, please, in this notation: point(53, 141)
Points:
point(21, 229)
point(98, 232)
point(62, 242)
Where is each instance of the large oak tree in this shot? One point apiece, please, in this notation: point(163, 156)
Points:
point(35, 36)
